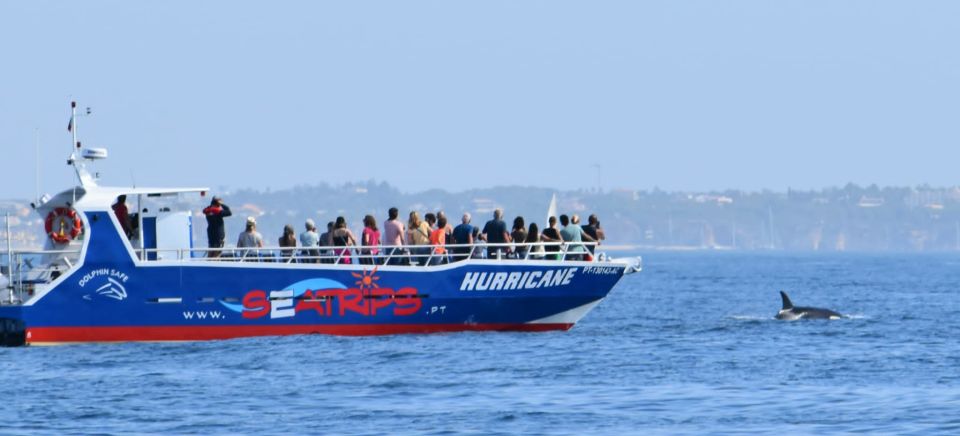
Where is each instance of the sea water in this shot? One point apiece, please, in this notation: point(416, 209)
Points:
point(687, 346)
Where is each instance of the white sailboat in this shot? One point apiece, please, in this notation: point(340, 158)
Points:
point(552, 209)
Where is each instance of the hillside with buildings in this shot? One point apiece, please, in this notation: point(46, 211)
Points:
point(851, 218)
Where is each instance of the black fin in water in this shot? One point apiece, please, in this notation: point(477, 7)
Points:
point(787, 304)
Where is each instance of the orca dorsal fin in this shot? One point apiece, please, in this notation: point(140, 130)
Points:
point(787, 304)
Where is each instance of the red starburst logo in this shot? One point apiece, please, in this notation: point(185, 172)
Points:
point(367, 280)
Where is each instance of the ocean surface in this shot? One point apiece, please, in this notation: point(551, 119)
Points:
point(687, 346)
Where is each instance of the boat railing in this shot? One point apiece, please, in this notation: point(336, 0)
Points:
point(407, 255)
point(22, 271)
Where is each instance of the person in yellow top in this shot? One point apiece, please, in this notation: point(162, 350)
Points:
point(438, 238)
point(418, 233)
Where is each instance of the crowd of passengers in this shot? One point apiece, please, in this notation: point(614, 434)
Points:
point(418, 241)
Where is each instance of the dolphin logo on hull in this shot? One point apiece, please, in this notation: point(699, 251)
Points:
point(112, 289)
point(789, 312)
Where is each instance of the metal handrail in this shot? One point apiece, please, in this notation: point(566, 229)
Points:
point(413, 254)
point(19, 278)
point(76, 251)
point(401, 255)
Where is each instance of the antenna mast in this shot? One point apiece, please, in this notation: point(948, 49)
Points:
point(73, 127)
point(37, 149)
point(85, 178)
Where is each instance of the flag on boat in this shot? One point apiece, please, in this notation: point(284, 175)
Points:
point(70, 124)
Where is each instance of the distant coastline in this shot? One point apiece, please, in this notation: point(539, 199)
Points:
point(849, 218)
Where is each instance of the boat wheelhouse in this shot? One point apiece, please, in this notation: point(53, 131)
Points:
point(96, 282)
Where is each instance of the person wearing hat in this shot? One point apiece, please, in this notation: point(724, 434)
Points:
point(216, 234)
point(250, 237)
point(310, 238)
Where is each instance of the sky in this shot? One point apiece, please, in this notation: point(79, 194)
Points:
point(680, 95)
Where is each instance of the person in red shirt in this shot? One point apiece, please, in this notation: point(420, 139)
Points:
point(123, 215)
point(438, 239)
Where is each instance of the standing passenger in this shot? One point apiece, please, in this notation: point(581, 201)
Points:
point(289, 239)
point(438, 238)
point(418, 234)
point(573, 234)
point(552, 235)
point(477, 254)
point(533, 237)
point(370, 238)
point(123, 215)
point(341, 236)
point(325, 244)
point(519, 236)
point(586, 237)
point(593, 229)
point(463, 235)
point(250, 237)
point(216, 234)
point(449, 228)
point(495, 232)
point(394, 231)
point(310, 238)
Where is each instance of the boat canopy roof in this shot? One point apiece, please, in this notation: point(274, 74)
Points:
point(102, 197)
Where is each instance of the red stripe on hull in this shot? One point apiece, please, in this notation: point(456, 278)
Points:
point(41, 335)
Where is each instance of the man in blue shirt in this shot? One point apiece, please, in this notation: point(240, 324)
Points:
point(573, 233)
point(462, 234)
point(495, 232)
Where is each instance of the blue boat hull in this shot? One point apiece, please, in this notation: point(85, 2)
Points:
point(111, 296)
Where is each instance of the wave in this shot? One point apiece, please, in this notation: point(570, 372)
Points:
point(751, 318)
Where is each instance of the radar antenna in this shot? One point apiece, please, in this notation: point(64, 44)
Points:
point(79, 156)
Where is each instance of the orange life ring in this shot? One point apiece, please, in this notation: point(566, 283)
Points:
point(64, 217)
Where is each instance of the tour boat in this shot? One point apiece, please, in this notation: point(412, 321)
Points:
point(94, 283)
